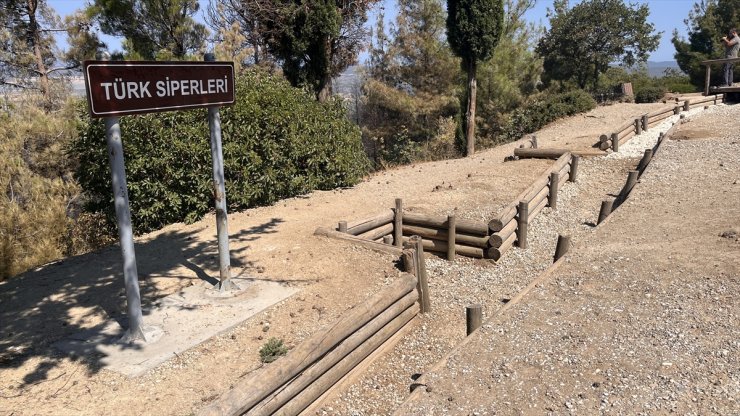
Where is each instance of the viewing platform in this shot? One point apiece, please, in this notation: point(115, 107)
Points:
point(713, 89)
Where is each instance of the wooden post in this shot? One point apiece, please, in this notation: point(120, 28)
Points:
point(706, 80)
point(631, 181)
point(342, 226)
point(638, 126)
point(534, 141)
point(677, 110)
point(451, 237)
point(388, 239)
point(686, 105)
point(552, 196)
point(421, 275)
point(645, 122)
point(398, 224)
point(606, 209)
point(706, 107)
point(562, 247)
point(615, 142)
point(573, 168)
point(645, 159)
point(522, 224)
point(473, 317)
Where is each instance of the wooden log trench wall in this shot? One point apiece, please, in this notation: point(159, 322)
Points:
point(294, 382)
point(631, 128)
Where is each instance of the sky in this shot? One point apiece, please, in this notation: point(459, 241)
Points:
point(666, 15)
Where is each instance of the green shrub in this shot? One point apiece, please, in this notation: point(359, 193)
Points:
point(272, 350)
point(543, 110)
point(649, 95)
point(278, 142)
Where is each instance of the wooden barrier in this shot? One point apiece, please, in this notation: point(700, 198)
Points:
point(552, 153)
point(442, 234)
point(440, 247)
point(462, 226)
point(269, 382)
point(473, 318)
point(367, 224)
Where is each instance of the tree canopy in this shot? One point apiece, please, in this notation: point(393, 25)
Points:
point(473, 30)
point(584, 40)
point(163, 29)
point(707, 22)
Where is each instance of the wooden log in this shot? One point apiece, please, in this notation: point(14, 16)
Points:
point(509, 212)
point(473, 318)
point(552, 153)
point(657, 119)
point(398, 223)
point(377, 233)
point(443, 235)
point(342, 226)
point(496, 252)
point(462, 226)
point(625, 139)
point(358, 241)
point(440, 247)
point(264, 381)
point(686, 105)
point(562, 247)
point(388, 239)
point(367, 224)
point(603, 138)
point(615, 142)
point(564, 177)
point(626, 133)
point(532, 214)
point(565, 170)
point(646, 157)
point(344, 366)
point(676, 110)
point(450, 238)
point(638, 126)
point(552, 196)
point(606, 209)
point(627, 125)
point(631, 182)
point(645, 122)
point(294, 387)
point(541, 196)
point(605, 145)
point(522, 224)
point(574, 168)
point(408, 258)
point(422, 284)
point(499, 237)
point(660, 112)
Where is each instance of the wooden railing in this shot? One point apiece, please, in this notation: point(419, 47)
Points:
point(708, 64)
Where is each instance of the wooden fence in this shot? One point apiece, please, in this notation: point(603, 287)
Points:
point(630, 128)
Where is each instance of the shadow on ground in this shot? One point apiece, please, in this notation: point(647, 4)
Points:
point(58, 300)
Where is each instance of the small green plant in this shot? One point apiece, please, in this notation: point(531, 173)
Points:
point(649, 95)
point(272, 349)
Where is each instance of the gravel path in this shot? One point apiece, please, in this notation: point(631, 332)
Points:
point(455, 285)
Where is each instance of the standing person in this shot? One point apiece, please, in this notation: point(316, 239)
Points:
point(732, 46)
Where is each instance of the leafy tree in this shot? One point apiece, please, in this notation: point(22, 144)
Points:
point(163, 29)
point(473, 30)
point(707, 22)
point(411, 95)
point(28, 54)
point(583, 41)
point(237, 32)
point(506, 80)
point(313, 40)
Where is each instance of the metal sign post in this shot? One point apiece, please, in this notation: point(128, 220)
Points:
point(125, 232)
point(219, 194)
point(136, 87)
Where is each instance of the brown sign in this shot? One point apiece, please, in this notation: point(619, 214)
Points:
point(116, 88)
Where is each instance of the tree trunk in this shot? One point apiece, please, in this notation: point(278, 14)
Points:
point(324, 92)
point(470, 113)
point(35, 34)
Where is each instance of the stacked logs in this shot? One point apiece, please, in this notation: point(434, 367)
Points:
point(440, 235)
point(292, 383)
point(635, 127)
point(511, 225)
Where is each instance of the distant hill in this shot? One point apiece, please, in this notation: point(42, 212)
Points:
point(656, 69)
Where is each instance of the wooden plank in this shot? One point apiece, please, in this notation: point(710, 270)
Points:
point(377, 233)
point(537, 209)
point(261, 383)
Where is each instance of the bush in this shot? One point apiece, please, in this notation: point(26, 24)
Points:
point(649, 95)
point(278, 142)
point(272, 350)
point(543, 110)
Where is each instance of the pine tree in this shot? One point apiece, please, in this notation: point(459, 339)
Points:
point(473, 30)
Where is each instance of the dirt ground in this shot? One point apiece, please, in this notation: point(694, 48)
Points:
point(272, 243)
